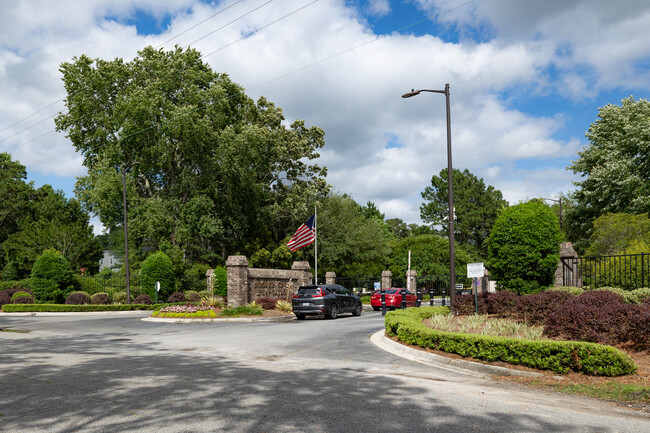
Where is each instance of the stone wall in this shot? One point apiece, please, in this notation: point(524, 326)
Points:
point(248, 284)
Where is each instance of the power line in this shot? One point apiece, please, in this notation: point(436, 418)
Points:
point(199, 23)
point(276, 78)
point(231, 22)
point(168, 40)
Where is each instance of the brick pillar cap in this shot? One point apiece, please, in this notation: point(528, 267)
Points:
point(386, 274)
point(209, 272)
point(300, 266)
point(330, 274)
point(237, 261)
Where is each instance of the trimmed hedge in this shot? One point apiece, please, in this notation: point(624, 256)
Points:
point(558, 356)
point(55, 308)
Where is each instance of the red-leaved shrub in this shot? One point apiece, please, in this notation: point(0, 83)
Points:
point(502, 302)
point(267, 303)
point(464, 304)
point(77, 298)
point(143, 300)
point(535, 308)
point(100, 299)
point(597, 316)
point(176, 297)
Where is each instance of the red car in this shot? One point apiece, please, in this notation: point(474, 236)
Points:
point(393, 299)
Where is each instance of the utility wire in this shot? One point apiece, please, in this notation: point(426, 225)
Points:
point(199, 23)
point(159, 46)
point(276, 78)
point(231, 22)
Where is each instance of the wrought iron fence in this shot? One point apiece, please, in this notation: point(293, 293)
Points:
point(358, 284)
point(110, 284)
point(626, 271)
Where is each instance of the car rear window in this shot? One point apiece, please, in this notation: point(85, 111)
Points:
point(307, 290)
point(388, 292)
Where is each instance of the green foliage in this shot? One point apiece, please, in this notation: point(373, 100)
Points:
point(349, 242)
point(119, 297)
point(476, 207)
point(619, 234)
point(242, 310)
point(56, 308)
point(558, 356)
point(614, 166)
point(157, 267)
point(219, 173)
point(637, 296)
point(52, 279)
point(10, 272)
point(220, 281)
point(524, 247)
point(429, 256)
point(15, 297)
point(194, 278)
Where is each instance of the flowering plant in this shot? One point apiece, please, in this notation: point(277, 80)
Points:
point(187, 308)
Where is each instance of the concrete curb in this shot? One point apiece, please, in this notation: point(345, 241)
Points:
point(380, 340)
point(220, 320)
point(77, 313)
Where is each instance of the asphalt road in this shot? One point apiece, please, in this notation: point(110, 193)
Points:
point(121, 374)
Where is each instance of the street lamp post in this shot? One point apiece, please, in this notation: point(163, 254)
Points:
point(450, 215)
point(126, 234)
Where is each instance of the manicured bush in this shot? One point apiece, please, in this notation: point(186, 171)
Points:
point(502, 302)
point(535, 308)
point(177, 297)
point(267, 303)
point(157, 267)
point(14, 287)
point(599, 316)
point(5, 296)
point(100, 299)
point(558, 356)
point(220, 281)
point(523, 247)
point(119, 297)
point(204, 293)
point(143, 299)
point(637, 296)
point(52, 278)
point(77, 298)
point(638, 326)
point(243, 310)
point(192, 296)
point(464, 304)
point(17, 308)
point(22, 298)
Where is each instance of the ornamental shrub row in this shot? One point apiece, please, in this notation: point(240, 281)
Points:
point(558, 356)
point(598, 316)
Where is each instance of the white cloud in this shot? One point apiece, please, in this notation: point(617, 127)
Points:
point(354, 96)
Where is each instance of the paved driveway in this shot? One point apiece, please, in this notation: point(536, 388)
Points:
point(81, 373)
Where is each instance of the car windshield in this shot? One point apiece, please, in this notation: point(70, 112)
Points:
point(308, 290)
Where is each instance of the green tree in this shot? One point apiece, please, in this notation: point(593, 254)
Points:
point(429, 256)
point(476, 207)
point(349, 242)
point(216, 172)
point(524, 247)
point(54, 222)
point(614, 167)
point(52, 279)
point(619, 233)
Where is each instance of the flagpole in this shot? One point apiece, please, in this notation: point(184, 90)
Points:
point(315, 247)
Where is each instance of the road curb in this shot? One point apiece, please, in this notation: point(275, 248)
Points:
point(380, 340)
point(220, 320)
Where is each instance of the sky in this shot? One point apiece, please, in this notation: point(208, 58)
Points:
point(526, 80)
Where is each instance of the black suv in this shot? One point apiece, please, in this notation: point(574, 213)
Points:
point(328, 299)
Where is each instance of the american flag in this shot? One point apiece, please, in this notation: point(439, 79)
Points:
point(304, 236)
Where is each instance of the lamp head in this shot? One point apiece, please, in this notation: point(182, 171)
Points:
point(410, 94)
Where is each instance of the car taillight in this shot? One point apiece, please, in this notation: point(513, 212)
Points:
point(295, 294)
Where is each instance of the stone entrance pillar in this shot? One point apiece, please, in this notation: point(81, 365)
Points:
point(330, 278)
point(237, 268)
point(386, 279)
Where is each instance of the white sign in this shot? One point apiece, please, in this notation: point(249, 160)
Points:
point(475, 270)
point(377, 285)
point(157, 286)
